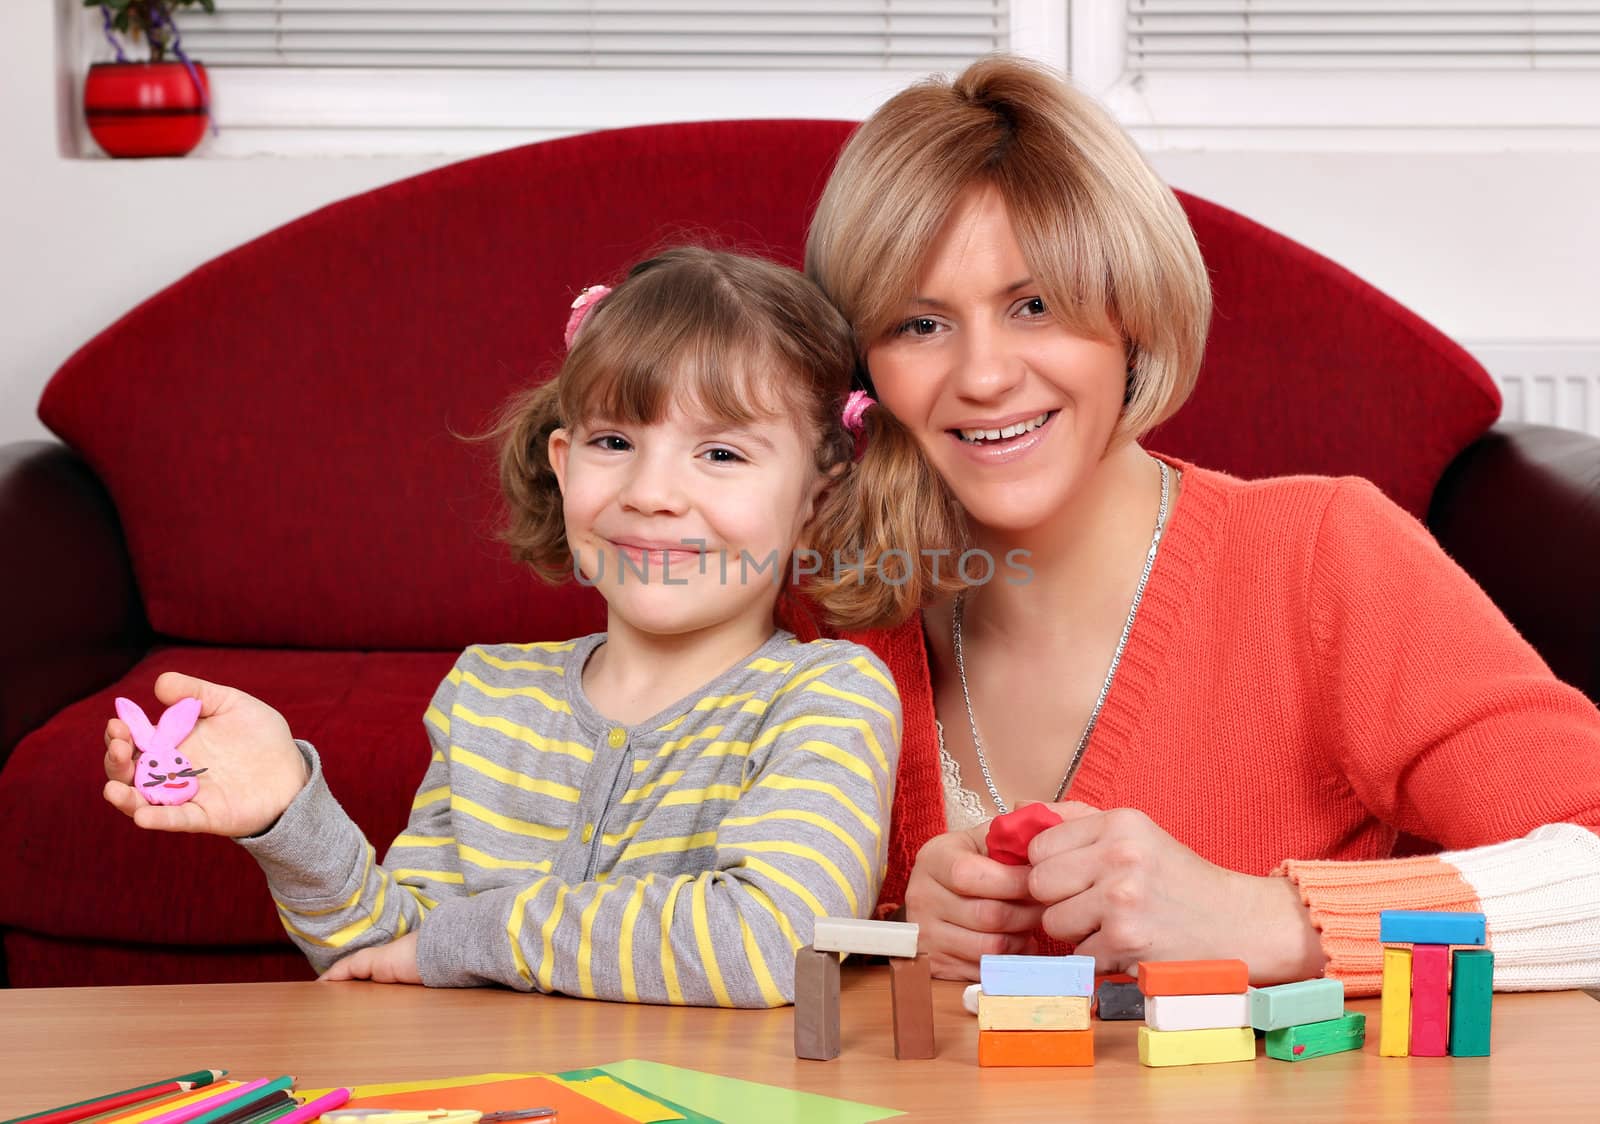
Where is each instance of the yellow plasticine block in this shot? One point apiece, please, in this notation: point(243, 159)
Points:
point(1394, 1030)
point(1033, 1012)
point(1196, 1047)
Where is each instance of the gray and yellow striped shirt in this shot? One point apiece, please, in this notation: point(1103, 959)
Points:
point(679, 860)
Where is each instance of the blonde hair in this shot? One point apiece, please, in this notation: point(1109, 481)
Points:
point(736, 338)
point(1107, 240)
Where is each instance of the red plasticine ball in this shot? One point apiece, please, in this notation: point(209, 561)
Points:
point(1010, 834)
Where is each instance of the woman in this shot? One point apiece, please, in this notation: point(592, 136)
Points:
point(1219, 683)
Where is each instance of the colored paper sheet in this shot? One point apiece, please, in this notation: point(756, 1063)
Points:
point(661, 1103)
point(618, 1095)
point(357, 1092)
point(497, 1096)
point(728, 1098)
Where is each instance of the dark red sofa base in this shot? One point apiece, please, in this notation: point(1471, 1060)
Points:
point(35, 961)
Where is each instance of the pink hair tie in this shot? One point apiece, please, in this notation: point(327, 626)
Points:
point(854, 407)
point(582, 307)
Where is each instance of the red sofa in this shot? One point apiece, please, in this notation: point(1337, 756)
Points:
point(261, 481)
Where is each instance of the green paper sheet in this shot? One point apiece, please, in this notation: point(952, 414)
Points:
point(728, 1098)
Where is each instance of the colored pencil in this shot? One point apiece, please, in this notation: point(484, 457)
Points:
point(199, 1108)
point(240, 1105)
point(316, 1108)
point(107, 1102)
point(258, 1106)
point(270, 1115)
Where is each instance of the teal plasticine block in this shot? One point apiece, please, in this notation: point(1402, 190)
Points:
point(1420, 926)
point(1036, 975)
point(1292, 1004)
point(1471, 1001)
point(1315, 1040)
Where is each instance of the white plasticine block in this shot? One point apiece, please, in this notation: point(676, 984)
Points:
point(969, 998)
point(868, 938)
point(1196, 1012)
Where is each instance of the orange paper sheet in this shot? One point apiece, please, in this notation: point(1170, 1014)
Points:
point(498, 1096)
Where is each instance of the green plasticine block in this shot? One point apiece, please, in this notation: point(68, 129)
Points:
point(1471, 1001)
point(1295, 1004)
point(1313, 1040)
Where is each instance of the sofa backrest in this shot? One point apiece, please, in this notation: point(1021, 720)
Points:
point(280, 430)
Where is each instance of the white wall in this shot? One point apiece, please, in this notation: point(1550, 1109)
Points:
point(1500, 250)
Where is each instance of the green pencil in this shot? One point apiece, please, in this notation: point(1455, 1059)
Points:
point(198, 1079)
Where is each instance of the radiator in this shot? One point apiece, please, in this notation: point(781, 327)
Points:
point(1549, 384)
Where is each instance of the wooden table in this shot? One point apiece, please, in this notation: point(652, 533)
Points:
point(62, 1044)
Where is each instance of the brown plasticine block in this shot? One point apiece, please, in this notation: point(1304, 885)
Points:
point(816, 1004)
point(911, 991)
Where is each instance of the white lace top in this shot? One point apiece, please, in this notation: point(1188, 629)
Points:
point(963, 808)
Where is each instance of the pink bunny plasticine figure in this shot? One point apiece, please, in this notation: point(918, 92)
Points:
point(161, 774)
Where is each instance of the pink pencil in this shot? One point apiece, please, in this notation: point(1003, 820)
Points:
point(200, 1108)
point(315, 1108)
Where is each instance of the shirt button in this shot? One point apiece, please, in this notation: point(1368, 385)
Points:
point(618, 737)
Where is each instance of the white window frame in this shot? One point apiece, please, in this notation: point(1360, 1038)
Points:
point(1331, 110)
point(344, 112)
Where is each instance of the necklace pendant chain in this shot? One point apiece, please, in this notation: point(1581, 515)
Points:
point(1105, 688)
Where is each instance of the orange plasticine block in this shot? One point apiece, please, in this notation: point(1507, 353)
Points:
point(1035, 1047)
point(1193, 977)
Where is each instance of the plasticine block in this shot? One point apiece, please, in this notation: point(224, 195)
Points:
point(1420, 926)
point(816, 1005)
point(1033, 1012)
point(911, 992)
point(1196, 1047)
point(1035, 1047)
point(1193, 977)
point(1471, 1001)
point(869, 938)
point(1010, 834)
point(1315, 1040)
point(1430, 1000)
point(1196, 1012)
point(1117, 1001)
point(1394, 1032)
point(1294, 1004)
point(1036, 975)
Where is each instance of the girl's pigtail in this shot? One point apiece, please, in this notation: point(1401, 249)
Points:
point(888, 532)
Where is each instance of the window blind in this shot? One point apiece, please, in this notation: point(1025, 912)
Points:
point(625, 34)
point(1363, 34)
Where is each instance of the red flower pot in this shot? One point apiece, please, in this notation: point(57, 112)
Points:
point(146, 108)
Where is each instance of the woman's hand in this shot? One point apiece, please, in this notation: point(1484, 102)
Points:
point(253, 769)
point(1122, 890)
point(395, 962)
point(967, 905)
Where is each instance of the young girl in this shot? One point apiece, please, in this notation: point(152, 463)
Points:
point(656, 813)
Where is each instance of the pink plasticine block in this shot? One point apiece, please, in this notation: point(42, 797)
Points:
point(161, 773)
point(1430, 1000)
point(1010, 834)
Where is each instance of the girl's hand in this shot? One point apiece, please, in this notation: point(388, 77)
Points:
point(967, 905)
point(1123, 890)
point(395, 962)
point(253, 768)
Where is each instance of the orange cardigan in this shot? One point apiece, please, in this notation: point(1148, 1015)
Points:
point(1309, 677)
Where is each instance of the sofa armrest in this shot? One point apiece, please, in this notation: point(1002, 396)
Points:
point(73, 618)
point(1519, 509)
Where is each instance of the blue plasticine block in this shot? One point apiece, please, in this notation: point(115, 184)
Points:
point(1036, 975)
point(1415, 926)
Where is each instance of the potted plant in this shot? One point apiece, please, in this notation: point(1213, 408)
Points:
point(157, 107)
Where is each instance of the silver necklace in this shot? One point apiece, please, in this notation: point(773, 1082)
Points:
point(1105, 688)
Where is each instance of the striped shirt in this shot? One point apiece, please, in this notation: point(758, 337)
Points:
point(679, 860)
